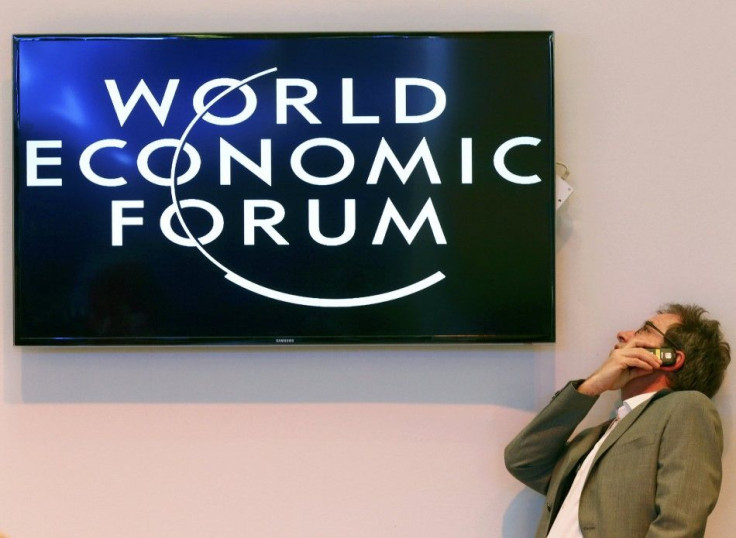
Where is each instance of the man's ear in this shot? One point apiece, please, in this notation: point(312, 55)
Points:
point(679, 362)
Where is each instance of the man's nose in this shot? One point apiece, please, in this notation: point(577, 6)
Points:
point(624, 336)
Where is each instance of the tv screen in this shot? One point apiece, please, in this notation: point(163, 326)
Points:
point(283, 188)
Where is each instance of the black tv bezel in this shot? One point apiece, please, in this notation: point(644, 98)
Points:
point(285, 340)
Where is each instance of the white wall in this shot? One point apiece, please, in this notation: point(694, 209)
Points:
point(390, 441)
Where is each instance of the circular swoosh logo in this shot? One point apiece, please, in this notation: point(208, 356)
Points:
point(253, 287)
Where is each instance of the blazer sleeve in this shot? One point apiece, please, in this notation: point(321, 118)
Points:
point(689, 468)
point(532, 455)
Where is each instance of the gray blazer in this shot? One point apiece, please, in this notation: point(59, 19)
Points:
point(657, 474)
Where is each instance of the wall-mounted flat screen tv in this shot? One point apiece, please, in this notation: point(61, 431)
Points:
point(283, 188)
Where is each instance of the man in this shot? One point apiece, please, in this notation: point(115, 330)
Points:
point(655, 471)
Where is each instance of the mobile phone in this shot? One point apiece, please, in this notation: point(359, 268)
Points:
point(666, 354)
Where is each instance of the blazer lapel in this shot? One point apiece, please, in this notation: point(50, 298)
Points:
point(626, 423)
point(568, 467)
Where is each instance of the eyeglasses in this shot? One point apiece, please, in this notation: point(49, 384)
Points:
point(669, 341)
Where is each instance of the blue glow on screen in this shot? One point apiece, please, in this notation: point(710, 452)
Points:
point(97, 255)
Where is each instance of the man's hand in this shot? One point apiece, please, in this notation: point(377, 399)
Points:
point(623, 365)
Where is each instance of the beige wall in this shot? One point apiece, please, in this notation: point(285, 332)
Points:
point(390, 441)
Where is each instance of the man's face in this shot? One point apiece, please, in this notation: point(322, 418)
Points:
point(647, 336)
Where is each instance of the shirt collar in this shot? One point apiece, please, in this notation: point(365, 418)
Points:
point(630, 404)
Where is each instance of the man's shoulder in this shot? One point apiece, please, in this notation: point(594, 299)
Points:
point(687, 402)
point(685, 396)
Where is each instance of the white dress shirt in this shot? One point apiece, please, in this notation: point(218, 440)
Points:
point(567, 524)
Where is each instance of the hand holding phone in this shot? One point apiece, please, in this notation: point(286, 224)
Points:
point(667, 355)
